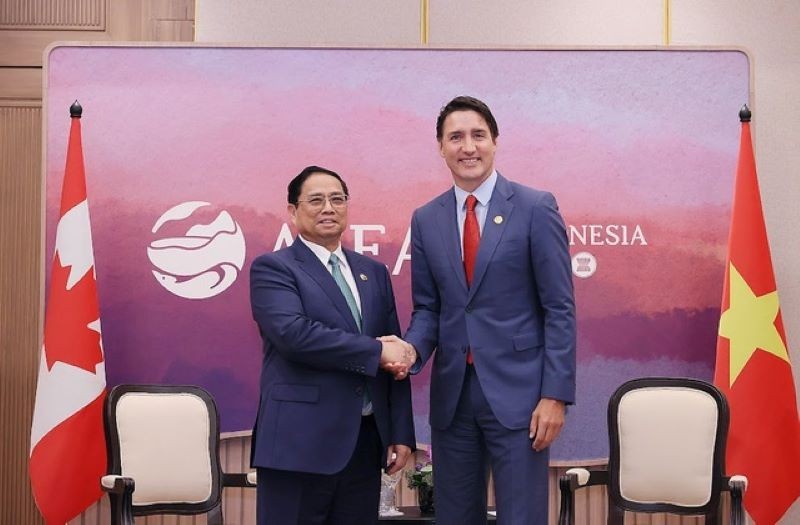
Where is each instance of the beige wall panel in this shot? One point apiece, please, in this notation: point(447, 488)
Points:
point(82, 15)
point(18, 84)
point(126, 20)
point(547, 22)
point(167, 21)
point(304, 22)
point(172, 10)
point(173, 30)
point(20, 239)
point(26, 48)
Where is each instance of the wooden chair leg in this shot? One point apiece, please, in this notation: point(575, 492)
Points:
point(567, 511)
point(616, 516)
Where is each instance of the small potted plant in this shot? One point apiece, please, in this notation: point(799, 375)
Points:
point(421, 479)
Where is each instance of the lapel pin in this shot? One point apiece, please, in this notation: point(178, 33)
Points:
point(362, 276)
point(498, 219)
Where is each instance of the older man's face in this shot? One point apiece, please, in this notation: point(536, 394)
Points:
point(315, 216)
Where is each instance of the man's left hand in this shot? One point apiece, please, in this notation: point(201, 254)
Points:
point(547, 421)
point(396, 457)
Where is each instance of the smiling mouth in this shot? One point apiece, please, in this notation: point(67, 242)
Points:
point(472, 161)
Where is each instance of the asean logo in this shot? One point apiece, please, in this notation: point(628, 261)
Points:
point(584, 264)
point(202, 260)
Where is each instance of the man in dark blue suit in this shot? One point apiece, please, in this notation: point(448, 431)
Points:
point(329, 417)
point(493, 296)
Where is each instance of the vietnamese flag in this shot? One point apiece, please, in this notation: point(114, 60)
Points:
point(68, 447)
point(753, 368)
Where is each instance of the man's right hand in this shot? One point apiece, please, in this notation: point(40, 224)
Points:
point(397, 356)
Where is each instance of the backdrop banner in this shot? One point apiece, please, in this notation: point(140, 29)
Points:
point(189, 150)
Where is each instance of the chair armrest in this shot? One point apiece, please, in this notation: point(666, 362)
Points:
point(120, 494)
point(239, 479)
point(117, 484)
point(737, 486)
point(738, 482)
point(581, 477)
point(572, 480)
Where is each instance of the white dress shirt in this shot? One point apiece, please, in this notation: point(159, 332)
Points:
point(324, 256)
point(484, 194)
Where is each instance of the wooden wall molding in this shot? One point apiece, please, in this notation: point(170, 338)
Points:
point(20, 282)
point(74, 15)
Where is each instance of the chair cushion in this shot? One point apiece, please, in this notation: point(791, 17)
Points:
point(666, 439)
point(164, 446)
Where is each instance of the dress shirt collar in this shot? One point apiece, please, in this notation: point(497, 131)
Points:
point(483, 192)
point(324, 255)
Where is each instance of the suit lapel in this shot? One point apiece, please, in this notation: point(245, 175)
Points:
point(365, 290)
point(451, 238)
point(499, 206)
point(314, 268)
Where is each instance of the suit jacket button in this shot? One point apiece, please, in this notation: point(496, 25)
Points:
point(359, 391)
point(468, 309)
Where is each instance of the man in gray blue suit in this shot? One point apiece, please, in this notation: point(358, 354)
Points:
point(493, 304)
point(329, 418)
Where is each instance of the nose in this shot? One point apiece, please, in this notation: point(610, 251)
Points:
point(468, 145)
point(327, 206)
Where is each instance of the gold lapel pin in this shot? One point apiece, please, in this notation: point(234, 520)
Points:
point(363, 276)
point(498, 219)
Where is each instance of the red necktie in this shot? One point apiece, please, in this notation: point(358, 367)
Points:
point(472, 238)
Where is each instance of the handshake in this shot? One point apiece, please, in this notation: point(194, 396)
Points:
point(397, 356)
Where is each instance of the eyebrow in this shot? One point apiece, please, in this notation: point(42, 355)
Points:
point(470, 130)
point(318, 194)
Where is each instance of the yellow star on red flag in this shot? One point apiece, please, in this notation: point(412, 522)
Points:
point(749, 324)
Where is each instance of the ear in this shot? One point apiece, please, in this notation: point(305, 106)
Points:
point(441, 148)
point(292, 210)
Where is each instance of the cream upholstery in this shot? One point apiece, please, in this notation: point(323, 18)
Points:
point(581, 473)
point(739, 479)
point(109, 481)
point(667, 439)
point(679, 423)
point(252, 478)
point(164, 446)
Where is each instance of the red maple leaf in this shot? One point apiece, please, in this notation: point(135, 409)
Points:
point(67, 336)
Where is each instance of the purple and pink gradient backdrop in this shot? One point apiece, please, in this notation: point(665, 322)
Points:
point(643, 138)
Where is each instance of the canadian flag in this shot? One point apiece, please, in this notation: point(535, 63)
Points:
point(68, 449)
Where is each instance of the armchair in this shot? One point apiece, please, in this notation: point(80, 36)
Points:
point(667, 453)
point(163, 453)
